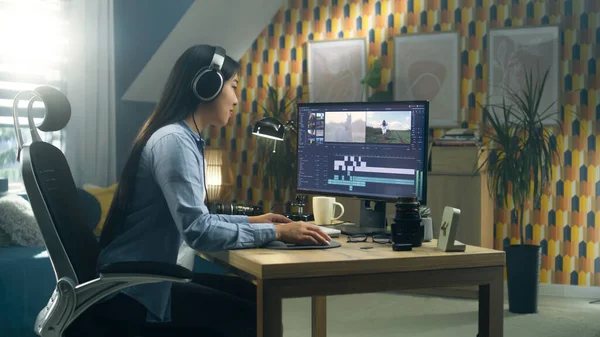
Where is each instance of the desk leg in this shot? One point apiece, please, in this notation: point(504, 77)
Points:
point(319, 316)
point(268, 311)
point(491, 306)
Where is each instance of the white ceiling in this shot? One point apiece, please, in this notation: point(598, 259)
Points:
point(233, 24)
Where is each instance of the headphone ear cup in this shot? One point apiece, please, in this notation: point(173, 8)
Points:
point(207, 84)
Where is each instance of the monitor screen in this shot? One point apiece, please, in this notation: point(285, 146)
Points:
point(367, 150)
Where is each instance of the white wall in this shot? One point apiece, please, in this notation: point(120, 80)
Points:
point(232, 24)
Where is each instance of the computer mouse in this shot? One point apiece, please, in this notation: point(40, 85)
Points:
point(275, 244)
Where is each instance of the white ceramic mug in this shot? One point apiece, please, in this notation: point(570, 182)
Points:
point(323, 210)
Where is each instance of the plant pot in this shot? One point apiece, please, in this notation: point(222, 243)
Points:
point(523, 264)
point(427, 225)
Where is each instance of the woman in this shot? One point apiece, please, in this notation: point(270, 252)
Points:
point(384, 127)
point(160, 202)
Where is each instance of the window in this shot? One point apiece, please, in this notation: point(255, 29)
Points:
point(32, 54)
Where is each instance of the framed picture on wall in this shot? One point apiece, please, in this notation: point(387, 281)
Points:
point(427, 67)
point(335, 68)
point(512, 51)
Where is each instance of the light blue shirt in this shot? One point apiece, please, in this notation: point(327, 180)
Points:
point(168, 208)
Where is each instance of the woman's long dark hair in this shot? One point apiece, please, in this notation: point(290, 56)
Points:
point(176, 103)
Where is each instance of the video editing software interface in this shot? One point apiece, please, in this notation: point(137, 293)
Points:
point(370, 150)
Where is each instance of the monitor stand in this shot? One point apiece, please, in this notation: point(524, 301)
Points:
point(299, 202)
point(372, 219)
point(300, 216)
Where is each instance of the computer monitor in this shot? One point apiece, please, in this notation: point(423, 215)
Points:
point(374, 151)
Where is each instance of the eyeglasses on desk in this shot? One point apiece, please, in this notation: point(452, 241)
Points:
point(375, 238)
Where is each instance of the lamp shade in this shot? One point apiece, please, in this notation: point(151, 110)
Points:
point(269, 127)
point(219, 175)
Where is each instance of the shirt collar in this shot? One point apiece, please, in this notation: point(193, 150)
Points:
point(189, 130)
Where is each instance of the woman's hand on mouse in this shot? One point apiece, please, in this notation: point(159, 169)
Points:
point(269, 217)
point(301, 232)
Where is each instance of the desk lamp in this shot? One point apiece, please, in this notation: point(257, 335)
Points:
point(272, 128)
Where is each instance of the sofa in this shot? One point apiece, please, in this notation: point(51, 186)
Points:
point(26, 275)
point(26, 282)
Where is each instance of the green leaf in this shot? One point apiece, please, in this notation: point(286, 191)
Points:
point(373, 76)
point(524, 147)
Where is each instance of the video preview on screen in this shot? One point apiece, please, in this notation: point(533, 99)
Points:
point(385, 127)
point(363, 149)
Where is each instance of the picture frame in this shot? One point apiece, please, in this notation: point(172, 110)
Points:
point(335, 69)
point(427, 67)
point(510, 49)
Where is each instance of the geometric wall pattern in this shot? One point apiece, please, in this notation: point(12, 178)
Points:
point(567, 222)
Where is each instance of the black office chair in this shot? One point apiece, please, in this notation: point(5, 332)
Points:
point(72, 246)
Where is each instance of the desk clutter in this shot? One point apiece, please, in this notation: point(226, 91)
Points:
point(408, 229)
point(406, 232)
point(458, 137)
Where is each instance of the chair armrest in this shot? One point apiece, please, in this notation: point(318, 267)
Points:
point(149, 268)
point(70, 300)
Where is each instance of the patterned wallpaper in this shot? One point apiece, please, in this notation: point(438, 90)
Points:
point(565, 222)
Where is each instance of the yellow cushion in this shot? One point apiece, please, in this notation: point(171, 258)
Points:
point(104, 195)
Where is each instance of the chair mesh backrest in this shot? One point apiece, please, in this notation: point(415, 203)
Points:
point(59, 194)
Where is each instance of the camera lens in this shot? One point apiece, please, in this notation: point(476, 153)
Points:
point(406, 227)
point(234, 209)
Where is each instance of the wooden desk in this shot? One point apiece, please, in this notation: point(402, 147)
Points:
point(348, 269)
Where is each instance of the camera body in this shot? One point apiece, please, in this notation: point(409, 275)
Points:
point(234, 209)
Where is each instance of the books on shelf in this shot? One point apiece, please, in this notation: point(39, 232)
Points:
point(458, 137)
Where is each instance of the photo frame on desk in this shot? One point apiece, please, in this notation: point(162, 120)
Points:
point(448, 229)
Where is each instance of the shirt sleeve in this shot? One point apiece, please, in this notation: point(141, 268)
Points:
point(175, 163)
point(232, 218)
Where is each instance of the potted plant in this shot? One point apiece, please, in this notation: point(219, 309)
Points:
point(278, 158)
point(517, 162)
point(426, 223)
point(373, 80)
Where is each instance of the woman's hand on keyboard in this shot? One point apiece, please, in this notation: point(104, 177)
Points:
point(269, 217)
point(299, 232)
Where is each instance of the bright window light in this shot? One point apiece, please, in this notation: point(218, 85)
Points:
point(32, 37)
point(33, 44)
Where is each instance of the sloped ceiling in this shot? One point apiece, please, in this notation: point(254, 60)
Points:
point(233, 24)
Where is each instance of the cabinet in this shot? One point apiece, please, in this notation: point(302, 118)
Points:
point(452, 182)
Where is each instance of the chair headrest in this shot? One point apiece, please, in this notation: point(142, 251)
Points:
point(58, 113)
point(58, 108)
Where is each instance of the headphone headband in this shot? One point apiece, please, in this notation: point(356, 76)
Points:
point(218, 59)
